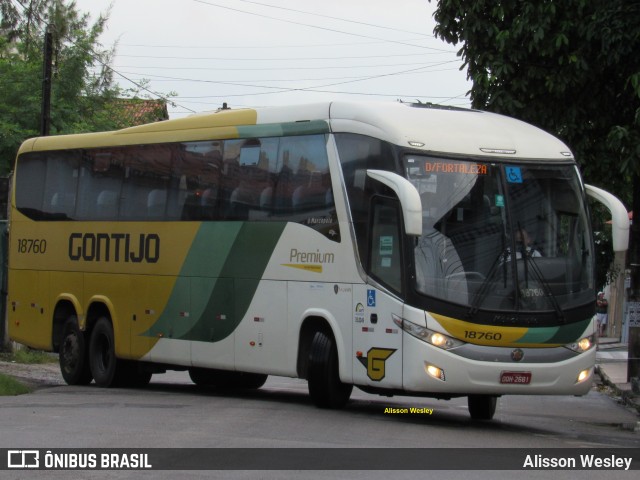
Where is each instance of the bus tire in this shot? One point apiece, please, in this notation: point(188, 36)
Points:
point(102, 355)
point(325, 388)
point(482, 407)
point(73, 355)
point(249, 381)
point(201, 377)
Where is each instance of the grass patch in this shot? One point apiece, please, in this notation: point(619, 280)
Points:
point(11, 386)
point(26, 355)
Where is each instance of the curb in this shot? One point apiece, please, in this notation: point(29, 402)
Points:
point(626, 395)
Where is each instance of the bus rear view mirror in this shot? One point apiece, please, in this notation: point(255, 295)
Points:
point(408, 196)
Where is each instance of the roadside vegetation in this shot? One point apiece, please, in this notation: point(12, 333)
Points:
point(27, 355)
point(11, 386)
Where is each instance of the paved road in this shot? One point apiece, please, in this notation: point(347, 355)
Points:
point(172, 412)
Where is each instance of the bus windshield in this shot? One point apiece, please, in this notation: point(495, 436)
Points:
point(502, 237)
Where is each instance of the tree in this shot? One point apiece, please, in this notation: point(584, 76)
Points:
point(570, 67)
point(83, 92)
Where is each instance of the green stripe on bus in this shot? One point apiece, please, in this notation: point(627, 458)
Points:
point(283, 129)
point(570, 333)
point(555, 335)
point(538, 335)
point(218, 280)
point(204, 263)
point(239, 279)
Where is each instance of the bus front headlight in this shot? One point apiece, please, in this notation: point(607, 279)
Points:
point(436, 339)
point(582, 345)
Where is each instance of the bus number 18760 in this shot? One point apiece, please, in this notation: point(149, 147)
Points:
point(32, 245)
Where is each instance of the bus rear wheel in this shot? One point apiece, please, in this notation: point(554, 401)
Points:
point(102, 355)
point(325, 388)
point(73, 357)
point(482, 407)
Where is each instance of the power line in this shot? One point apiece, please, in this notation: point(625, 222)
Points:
point(315, 26)
point(263, 59)
point(336, 18)
point(157, 78)
point(273, 69)
point(252, 47)
point(316, 88)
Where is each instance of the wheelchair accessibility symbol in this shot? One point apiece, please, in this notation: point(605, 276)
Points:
point(371, 298)
point(514, 174)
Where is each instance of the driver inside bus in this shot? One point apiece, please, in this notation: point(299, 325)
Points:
point(525, 246)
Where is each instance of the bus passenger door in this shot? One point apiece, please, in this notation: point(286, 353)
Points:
point(377, 340)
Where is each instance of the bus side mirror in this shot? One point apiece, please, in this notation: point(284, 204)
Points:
point(408, 196)
point(619, 216)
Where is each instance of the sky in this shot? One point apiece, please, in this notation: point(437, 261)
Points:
point(253, 53)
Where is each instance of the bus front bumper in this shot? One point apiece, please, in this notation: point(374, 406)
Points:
point(430, 369)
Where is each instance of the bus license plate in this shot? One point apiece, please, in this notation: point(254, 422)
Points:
point(518, 378)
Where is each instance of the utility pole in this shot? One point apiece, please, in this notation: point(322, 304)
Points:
point(46, 84)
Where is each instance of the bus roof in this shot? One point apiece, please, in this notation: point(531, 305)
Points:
point(425, 127)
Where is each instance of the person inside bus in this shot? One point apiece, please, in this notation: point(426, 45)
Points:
point(525, 246)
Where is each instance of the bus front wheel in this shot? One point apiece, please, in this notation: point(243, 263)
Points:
point(74, 361)
point(102, 355)
point(482, 407)
point(325, 387)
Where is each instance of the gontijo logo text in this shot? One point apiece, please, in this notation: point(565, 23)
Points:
point(114, 247)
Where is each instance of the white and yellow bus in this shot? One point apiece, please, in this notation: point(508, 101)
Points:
point(404, 249)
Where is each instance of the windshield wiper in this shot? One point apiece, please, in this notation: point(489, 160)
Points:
point(484, 288)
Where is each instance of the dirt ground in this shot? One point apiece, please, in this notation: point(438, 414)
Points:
point(40, 375)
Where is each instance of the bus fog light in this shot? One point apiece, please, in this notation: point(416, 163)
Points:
point(583, 375)
point(434, 371)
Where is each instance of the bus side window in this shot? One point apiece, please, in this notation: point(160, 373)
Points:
point(156, 203)
point(61, 184)
point(31, 169)
point(196, 177)
point(107, 204)
point(100, 185)
point(303, 186)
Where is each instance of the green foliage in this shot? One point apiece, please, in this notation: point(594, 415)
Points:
point(27, 355)
point(569, 66)
point(10, 386)
point(82, 85)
